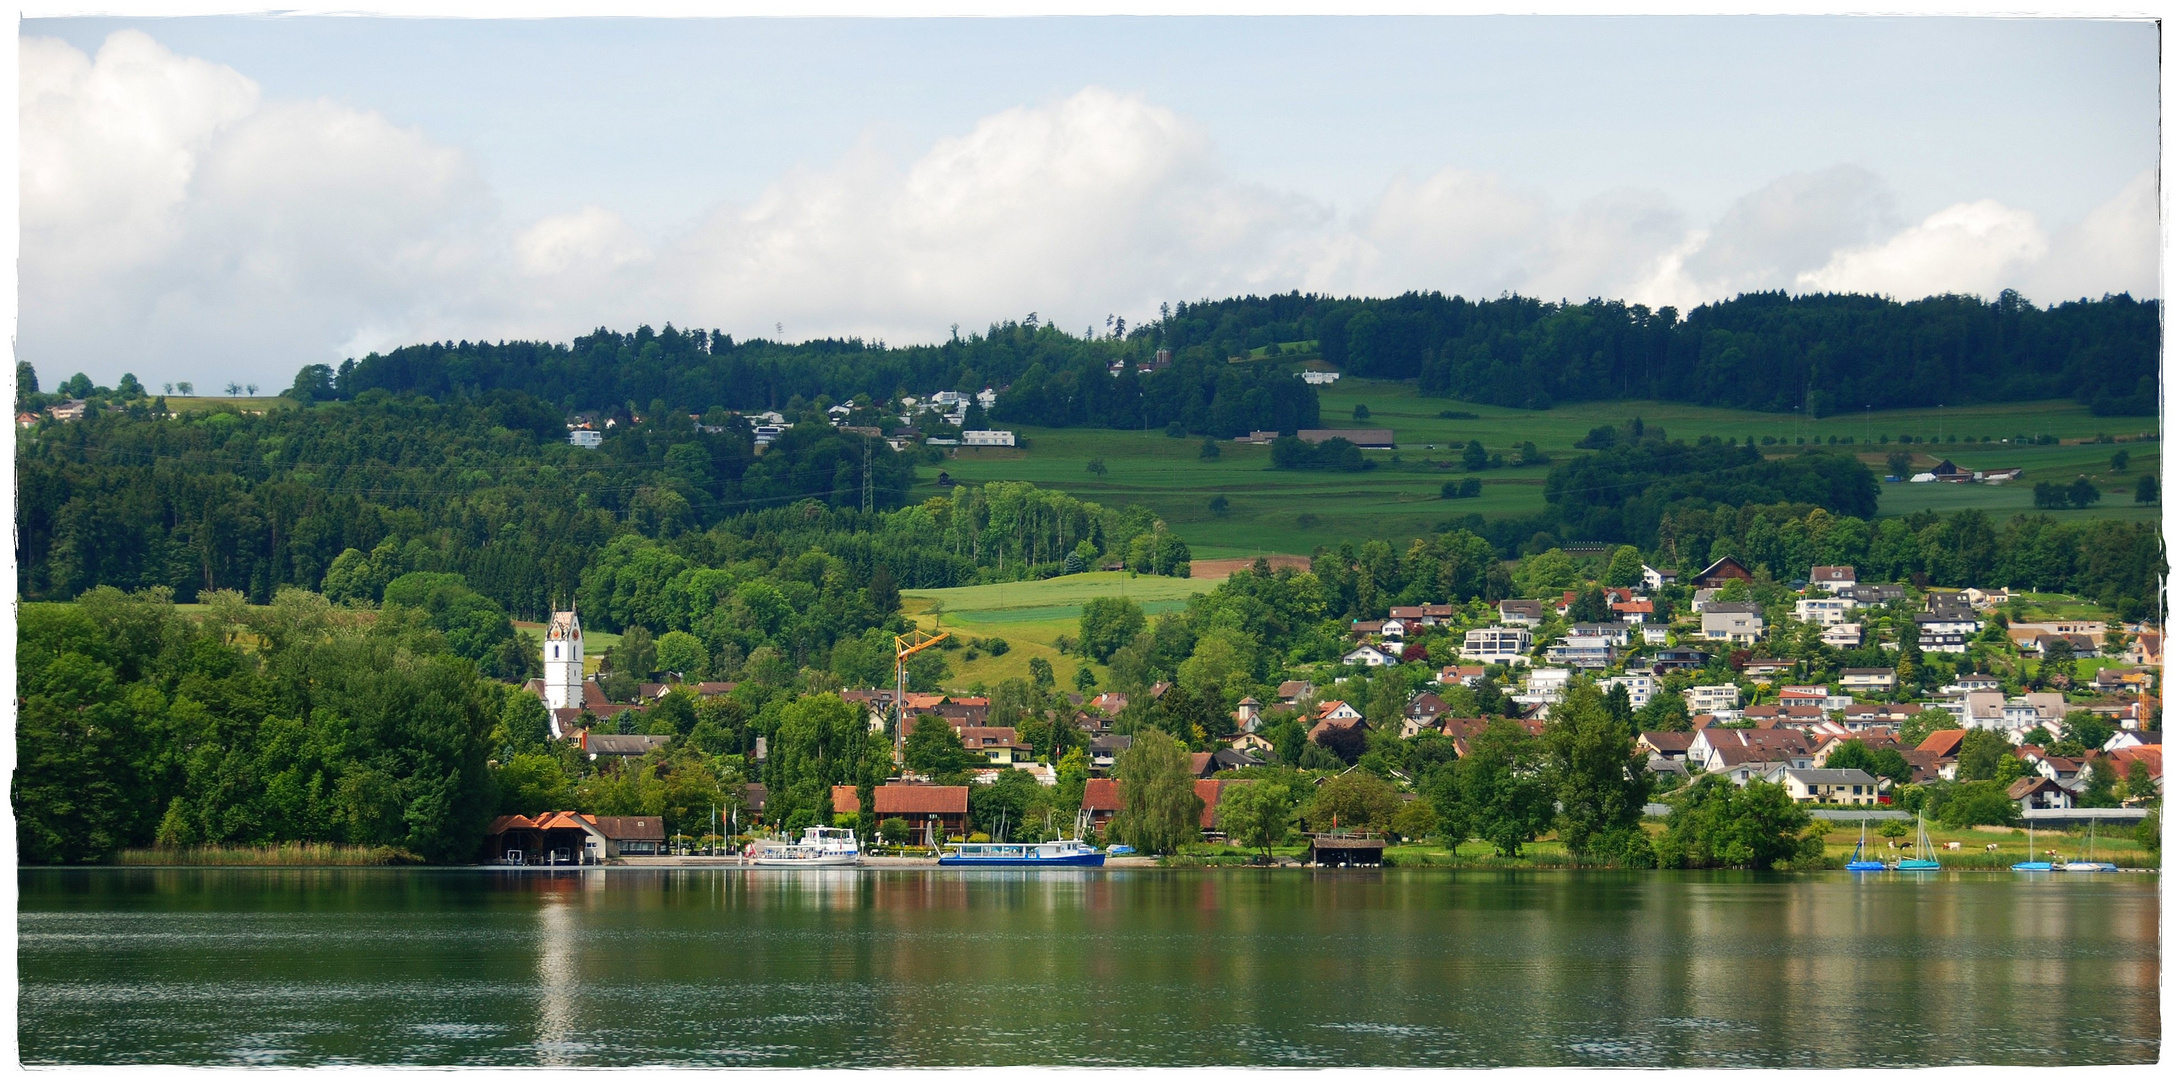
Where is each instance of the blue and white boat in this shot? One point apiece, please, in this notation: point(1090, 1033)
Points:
point(1860, 865)
point(1049, 853)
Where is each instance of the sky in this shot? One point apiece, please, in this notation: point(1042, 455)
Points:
point(227, 199)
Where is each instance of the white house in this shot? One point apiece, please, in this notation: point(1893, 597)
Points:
point(1946, 632)
point(1545, 686)
point(1370, 656)
point(1851, 787)
point(1655, 634)
point(1739, 623)
point(1580, 652)
point(1842, 636)
point(1526, 613)
point(1497, 645)
point(1654, 579)
point(1613, 633)
point(586, 438)
point(1639, 688)
point(1867, 680)
point(1831, 578)
point(986, 438)
point(1719, 698)
point(1823, 610)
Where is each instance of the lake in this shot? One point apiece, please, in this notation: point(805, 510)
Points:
point(873, 967)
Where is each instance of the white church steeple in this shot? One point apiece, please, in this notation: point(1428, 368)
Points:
point(563, 662)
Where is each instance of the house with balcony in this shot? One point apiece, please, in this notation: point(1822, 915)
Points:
point(1739, 623)
point(1867, 680)
point(1497, 645)
point(1717, 698)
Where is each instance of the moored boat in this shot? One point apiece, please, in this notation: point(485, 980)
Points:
point(2088, 865)
point(2032, 864)
point(1860, 865)
point(1924, 852)
point(1050, 853)
point(818, 847)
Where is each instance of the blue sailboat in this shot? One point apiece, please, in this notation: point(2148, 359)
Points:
point(1860, 865)
point(2032, 864)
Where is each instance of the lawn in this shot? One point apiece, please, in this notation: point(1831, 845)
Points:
point(260, 403)
point(594, 643)
point(1030, 616)
point(1274, 511)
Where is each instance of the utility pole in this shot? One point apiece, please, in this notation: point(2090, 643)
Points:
point(868, 492)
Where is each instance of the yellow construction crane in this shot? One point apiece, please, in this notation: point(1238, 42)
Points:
point(904, 646)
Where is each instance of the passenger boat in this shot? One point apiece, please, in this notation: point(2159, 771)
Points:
point(818, 847)
point(1924, 853)
point(1049, 853)
point(1860, 865)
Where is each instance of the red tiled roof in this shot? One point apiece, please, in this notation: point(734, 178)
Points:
point(1943, 743)
point(1101, 794)
point(904, 799)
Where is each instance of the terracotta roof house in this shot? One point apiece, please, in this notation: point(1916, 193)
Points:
point(917, 804)
point(1102, 799)
point(553, 837)
point(1944, 744)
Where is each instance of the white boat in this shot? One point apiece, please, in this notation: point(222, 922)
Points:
point(818, 847)
point(2088, 865)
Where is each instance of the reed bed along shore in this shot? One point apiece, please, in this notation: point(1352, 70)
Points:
point(293, 853)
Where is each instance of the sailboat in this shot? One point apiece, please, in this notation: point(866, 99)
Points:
point(1924, 853)
point(1860, 865)
point(2032, 863)
point(2088, 865)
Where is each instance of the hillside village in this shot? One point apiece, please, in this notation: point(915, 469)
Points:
point(1725, 673)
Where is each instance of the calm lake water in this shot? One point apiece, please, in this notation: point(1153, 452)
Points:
point(1121, 967)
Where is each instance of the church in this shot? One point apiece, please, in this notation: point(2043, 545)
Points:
point(566, 693)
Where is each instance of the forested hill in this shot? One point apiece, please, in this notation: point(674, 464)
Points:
point(1769, 351)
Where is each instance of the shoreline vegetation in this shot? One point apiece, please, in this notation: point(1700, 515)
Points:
point(292, 853)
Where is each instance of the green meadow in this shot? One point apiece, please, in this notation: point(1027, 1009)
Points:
point(1030, 616)
point(1271, 511)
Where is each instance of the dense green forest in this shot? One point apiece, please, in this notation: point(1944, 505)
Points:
point(1826, 353)
point(486, 487)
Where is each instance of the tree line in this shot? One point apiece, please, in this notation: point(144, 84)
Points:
point(345, 496)
point(1826, 353)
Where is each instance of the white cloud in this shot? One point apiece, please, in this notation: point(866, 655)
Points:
point(1978, 247)
point(2116, 248)
point(1095, 204)
point(174, 221)
point(177, 223)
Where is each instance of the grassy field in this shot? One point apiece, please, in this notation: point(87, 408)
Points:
point(1281, 511)
point(260, 403)
point(1031, 615)
point(594, 643)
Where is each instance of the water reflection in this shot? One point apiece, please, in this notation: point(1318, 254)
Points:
point(1011, 967)
point(556, 927)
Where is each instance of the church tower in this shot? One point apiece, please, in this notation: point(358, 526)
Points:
point(563, 662)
